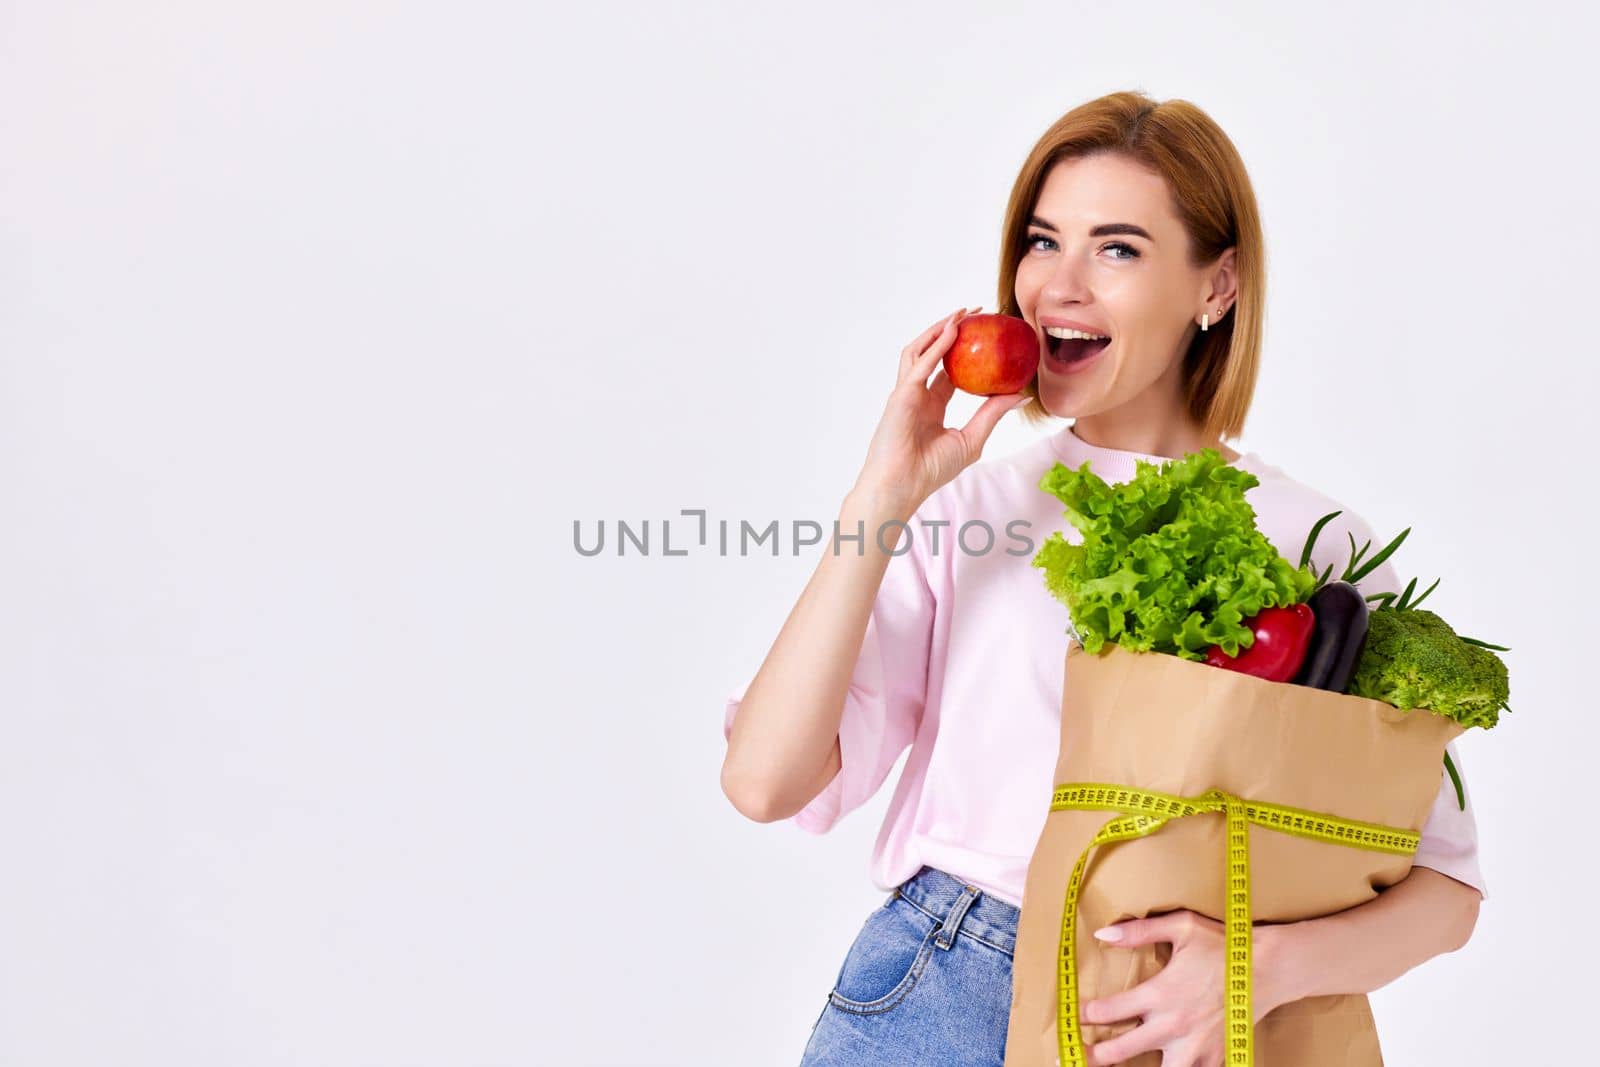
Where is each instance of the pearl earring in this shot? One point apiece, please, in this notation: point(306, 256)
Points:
point(1204, 320)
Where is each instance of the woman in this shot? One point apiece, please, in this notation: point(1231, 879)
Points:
point(1132, 246)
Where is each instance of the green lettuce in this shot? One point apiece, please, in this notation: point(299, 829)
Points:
point(1170, 561)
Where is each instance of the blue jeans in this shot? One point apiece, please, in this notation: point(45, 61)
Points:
point(927, 981)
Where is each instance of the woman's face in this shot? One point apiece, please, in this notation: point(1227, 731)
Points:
point(1106, 254)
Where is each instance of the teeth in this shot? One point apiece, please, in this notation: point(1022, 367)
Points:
point(1074, 335)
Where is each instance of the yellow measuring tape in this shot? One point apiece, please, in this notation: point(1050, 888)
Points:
point(1145, 811)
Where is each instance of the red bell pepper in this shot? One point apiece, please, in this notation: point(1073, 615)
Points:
point(1282, 637)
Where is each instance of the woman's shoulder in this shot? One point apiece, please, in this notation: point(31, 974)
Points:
point(1287, 509)
point(1278, 490)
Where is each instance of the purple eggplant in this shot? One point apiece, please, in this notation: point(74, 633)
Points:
point(1341, 628)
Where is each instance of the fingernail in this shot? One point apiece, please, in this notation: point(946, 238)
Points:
point(1108, 933)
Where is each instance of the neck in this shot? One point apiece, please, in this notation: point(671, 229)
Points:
point(1127, 431)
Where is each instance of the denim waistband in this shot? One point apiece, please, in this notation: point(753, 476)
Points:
point(965, 908)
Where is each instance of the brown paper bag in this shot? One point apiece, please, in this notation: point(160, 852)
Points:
point(1160, 722)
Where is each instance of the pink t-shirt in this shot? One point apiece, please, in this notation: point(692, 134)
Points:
point(962, 661)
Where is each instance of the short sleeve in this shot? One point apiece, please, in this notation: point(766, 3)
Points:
point(1449, 842)
point(888, 687)
point(1450, 836)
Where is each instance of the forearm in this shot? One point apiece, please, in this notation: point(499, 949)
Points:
point(784, 744)
point(1368, 946)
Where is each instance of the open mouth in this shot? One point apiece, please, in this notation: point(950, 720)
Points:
point(1073, 351)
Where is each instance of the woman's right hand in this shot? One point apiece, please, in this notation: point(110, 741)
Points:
point(912, 452)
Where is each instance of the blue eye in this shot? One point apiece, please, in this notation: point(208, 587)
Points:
point(1127, 250)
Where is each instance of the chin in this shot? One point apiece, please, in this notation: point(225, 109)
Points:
point(1067, 403)
point(1071, 396)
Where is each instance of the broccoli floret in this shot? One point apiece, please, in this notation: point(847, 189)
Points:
point(1413, 659)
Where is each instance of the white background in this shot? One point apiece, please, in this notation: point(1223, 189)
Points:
point(320, 324)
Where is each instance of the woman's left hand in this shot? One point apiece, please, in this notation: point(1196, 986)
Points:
point(1182, 1006)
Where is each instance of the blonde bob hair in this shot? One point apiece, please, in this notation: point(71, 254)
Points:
point(1212, 197)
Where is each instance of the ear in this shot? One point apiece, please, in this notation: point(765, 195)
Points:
point(1224, 279)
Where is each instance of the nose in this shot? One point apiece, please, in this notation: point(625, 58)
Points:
point(1066, 284)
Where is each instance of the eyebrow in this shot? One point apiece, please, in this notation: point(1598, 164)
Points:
point(1105, 229)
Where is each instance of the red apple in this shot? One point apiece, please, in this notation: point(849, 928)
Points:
point(992, 355)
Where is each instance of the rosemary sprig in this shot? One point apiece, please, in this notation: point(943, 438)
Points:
point(1425, 593)
point(1455, 776)
point(1311, 539)
point(1356, 570)
point(1353, 575)
point(1484, 644)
